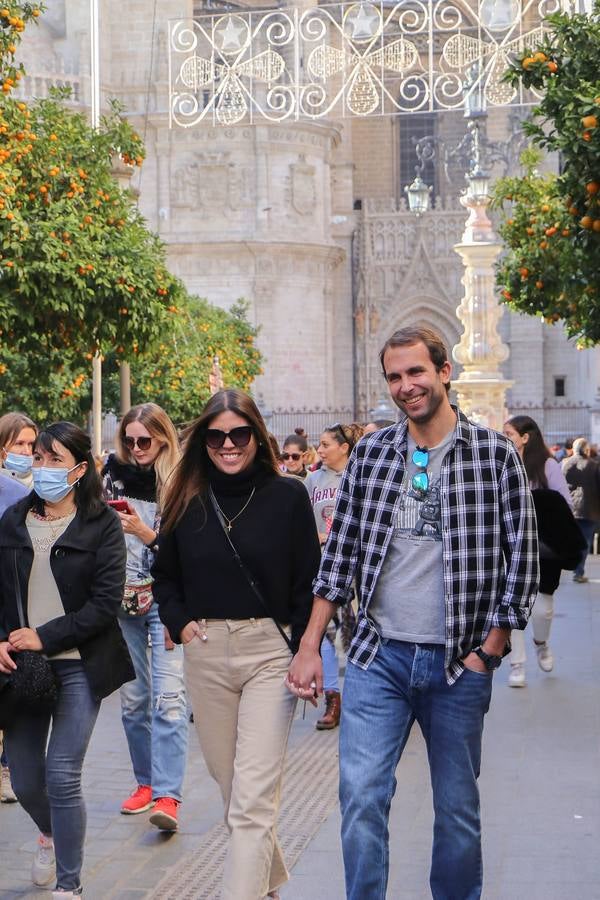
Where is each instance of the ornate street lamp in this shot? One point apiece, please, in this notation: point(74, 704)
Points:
point(418, 194)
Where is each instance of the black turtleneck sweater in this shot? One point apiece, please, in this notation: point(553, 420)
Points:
point(195, 573)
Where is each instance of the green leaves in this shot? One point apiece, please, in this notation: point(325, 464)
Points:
point(552, 223)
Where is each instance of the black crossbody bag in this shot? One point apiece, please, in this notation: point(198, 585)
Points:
point(32, 687)
point(247, 574)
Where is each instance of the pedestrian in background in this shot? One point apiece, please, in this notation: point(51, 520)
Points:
point(17, 436)
point(295, 453)
point(434, 523)
point(153, 707)
point(62, 551)
point(238, 552)
point(582, 475)
point(555, 528)
point(334, 450)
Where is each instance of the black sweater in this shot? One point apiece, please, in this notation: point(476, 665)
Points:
point(196, 576)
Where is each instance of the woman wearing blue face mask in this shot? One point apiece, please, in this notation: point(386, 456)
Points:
point(17, 437)
point(62, 550)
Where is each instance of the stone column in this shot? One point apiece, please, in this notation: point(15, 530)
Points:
point(480, 387)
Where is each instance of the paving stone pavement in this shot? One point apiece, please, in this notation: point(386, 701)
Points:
point(540, 788)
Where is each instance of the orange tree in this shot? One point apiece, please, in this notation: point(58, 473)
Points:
point(551, 223)
point(79, 270)
point(175, 373)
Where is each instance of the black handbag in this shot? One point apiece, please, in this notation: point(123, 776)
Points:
point(32, 687)
point(247, 574)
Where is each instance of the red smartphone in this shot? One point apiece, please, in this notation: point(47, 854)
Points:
point(120, 506)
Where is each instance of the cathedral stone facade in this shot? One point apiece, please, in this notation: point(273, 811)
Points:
point(307, 221)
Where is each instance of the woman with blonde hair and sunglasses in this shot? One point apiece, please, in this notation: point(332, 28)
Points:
point(153, 707)
point(233, 579)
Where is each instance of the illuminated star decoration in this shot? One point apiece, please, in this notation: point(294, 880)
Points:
point(364, 20)
point(228, 35)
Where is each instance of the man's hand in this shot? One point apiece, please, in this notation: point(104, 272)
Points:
point(7, 663)
point(24, 639)
point(472, 661)
point(305, 676)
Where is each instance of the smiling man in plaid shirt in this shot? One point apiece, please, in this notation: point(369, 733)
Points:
point(434, 524)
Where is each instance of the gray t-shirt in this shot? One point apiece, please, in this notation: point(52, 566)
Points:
point(408, 600)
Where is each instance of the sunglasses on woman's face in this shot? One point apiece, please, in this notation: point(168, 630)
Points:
point(294, 456)
point(142, 442)
point(239, 437)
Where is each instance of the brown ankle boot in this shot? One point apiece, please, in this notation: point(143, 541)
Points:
point(333, 705)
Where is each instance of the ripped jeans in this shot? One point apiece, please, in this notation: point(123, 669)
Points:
point(153, 707)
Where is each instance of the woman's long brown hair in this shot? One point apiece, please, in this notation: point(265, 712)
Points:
point(190, 477)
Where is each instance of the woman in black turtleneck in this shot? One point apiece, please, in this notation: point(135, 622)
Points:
point(235, 657)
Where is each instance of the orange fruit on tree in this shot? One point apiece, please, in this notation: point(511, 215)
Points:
point(596, 225)
point(587, 135)
point(539, 285)
point(543, 245)
point(565, 232)
point(527, 62)
point(589, 122)
point(524, 272)
point(552, 66)
point(586, 222)
point(530, 230)
point(592, 187)
point(550, 231)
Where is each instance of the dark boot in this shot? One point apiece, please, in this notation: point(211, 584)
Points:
point(331, 717)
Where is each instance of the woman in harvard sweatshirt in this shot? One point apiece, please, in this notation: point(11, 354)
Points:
point(334, 449)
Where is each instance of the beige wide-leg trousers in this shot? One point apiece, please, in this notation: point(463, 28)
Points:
point(243, 715)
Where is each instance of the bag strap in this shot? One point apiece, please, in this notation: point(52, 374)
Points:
point(247, 574)
point(18, 597)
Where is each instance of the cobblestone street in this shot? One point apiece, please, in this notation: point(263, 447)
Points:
point(540, 788)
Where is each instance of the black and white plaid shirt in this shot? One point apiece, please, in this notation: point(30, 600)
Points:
point(489, 536)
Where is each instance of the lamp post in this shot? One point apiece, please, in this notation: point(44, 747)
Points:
point(480, 387)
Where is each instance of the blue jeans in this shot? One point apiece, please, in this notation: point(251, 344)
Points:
point(403, 683)
point(47, 782)
point(331, 679)
point(587, 528)
point(153, 707)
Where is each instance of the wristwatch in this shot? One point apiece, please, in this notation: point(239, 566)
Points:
point(490, 662)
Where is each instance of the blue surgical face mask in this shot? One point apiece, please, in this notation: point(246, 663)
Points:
point(51, 484)
point(18, 463)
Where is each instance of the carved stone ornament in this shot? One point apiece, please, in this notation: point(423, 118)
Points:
point(303, 187)
point(213, 183)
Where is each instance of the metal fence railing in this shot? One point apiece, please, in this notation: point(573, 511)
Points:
point(557, 422)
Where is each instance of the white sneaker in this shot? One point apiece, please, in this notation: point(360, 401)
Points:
point(66, 895)
point(517, 675)
point(544, 657)
point(7, 795)
point(43, 868)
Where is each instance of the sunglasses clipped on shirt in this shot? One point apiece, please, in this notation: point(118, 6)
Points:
point(142, 442)
point(420, 480)
point(239, 437)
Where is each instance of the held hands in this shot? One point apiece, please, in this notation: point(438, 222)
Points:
point(24, 639)
point(305, 676)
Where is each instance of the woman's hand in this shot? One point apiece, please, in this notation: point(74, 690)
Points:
point(191, 630)
point(24, 639)
point(132, 524)
point(7, 663)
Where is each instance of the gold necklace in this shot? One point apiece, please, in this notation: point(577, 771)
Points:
point(237, 515)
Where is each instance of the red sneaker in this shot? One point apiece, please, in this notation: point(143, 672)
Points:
point(165, 814)
point(139, 801)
